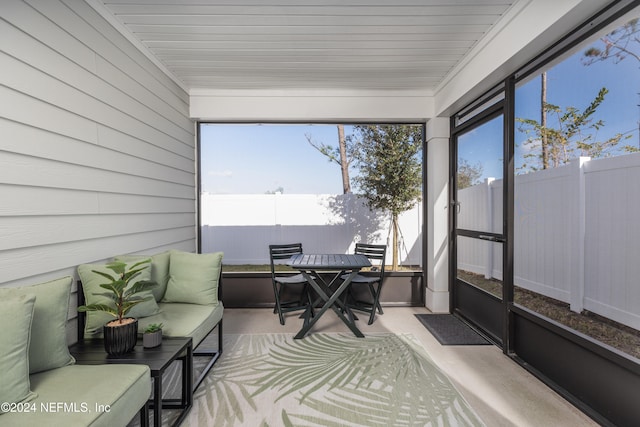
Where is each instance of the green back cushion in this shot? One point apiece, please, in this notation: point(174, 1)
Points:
point(48, 348)
point(193, 278)
point(16, 313)
point(159, 270)
point(92, 294)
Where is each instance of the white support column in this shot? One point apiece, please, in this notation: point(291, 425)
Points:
point(437, 268)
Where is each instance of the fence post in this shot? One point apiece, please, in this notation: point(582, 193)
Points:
point(277, 198)
point(576, 298)
point(488, 270)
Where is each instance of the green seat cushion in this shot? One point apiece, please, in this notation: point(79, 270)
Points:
point(48, 349)
point(16, 313)
point(91, 282)
point(186, 320)
point(124, 388)
point(193, 278)
point(159, 270)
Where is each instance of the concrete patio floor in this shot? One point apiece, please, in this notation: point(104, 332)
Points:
point(501, 392)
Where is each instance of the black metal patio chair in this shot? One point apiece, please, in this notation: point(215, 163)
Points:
point(280, 254)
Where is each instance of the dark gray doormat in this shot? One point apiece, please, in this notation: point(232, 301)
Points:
point(449, 330)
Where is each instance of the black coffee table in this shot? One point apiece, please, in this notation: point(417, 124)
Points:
point(91, 352)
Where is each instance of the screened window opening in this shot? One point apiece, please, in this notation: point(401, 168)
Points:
point(577, 199)
point(265, 184)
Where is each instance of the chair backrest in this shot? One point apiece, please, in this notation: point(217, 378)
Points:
point(373, 252)
point(283, 252)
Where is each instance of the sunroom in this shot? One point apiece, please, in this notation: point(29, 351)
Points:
point(527, 228)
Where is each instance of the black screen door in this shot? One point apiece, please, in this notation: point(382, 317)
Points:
point(478, 226)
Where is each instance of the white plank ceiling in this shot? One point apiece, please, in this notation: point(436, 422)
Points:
point(308, 44)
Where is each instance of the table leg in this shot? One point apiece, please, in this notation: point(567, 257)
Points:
point(185, 371)
point(341, 290)
point(330, 302)
point(186, 398)
point(327, 289)
point(144, 415)
point(188, 374)
point(157, 400)
point(349, 321)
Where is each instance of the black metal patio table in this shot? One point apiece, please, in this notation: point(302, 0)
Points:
point(338, 265)
point(91, 352)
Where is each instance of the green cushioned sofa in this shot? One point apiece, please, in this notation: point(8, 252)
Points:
point(187, 300)
point(42, 385)
point(83, 395)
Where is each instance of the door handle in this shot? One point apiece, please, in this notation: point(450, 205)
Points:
point(492, 238)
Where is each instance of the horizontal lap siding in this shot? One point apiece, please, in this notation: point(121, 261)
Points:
point(97, 150)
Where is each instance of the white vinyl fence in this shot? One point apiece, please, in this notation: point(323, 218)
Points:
point(577, 234)
point(244, 225)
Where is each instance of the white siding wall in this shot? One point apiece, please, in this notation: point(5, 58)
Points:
point(96, 145)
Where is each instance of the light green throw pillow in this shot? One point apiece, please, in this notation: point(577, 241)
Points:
point(159, 270)
point(16, 313)
point(91, 282)
point(48, 348)
point(193, 278)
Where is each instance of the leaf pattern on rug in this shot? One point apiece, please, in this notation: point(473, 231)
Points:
point(328, 380)
point(227, 389)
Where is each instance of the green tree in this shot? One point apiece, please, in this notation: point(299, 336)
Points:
point(468, 174)
point(276, 191)
point(389, 162)
point(619, 44)
point(575, 135)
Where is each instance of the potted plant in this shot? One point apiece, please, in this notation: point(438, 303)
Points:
point(152, 335)
point(121, 334)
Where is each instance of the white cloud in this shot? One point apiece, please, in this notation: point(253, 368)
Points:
point(225, 173)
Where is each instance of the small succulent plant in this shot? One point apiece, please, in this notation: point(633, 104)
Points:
point(154, 327)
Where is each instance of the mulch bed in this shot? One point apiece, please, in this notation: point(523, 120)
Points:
point(607, 331)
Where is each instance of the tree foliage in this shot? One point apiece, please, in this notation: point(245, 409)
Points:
point(621, 43)
point(389, 162)
point(468, 174)
point(279, 190)
point(575, 135)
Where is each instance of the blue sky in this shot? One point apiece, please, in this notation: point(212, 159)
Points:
point(255, 159)
point(569, 83)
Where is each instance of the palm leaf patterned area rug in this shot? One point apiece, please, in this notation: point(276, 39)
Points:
point(327, 380)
